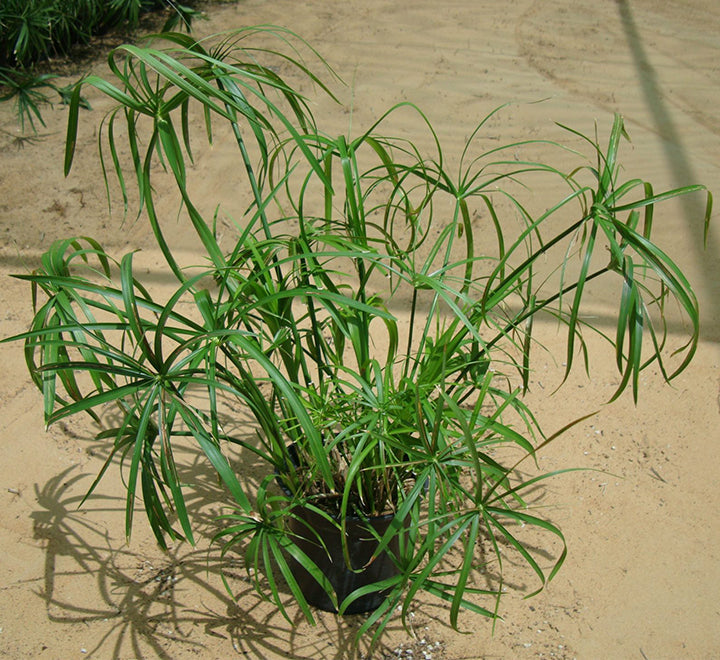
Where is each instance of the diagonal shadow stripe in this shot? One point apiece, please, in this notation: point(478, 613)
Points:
point(681, 167)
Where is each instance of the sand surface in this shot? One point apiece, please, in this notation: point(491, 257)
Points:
point(643, 574)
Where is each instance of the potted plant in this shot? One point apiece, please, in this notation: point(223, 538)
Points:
point(373, 314)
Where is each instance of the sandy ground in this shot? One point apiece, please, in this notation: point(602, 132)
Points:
point(643, 575)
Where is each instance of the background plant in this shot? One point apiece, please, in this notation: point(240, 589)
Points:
point(33, 30)
point(358, 315)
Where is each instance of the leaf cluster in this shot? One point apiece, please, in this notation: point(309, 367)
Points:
point(373, 314)
point(33, 30)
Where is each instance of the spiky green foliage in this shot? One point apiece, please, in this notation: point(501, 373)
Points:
point(32, 30)
point(357, 316)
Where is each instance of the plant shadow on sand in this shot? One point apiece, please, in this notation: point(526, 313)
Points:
point(140, 602)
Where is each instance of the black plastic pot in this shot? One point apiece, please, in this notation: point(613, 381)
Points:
point(330, 559)
point(321, 541)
